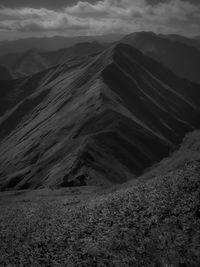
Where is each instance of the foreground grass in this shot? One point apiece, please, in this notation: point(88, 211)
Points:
point(155, 223)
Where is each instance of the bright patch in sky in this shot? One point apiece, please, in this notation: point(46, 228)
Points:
point(97, 17)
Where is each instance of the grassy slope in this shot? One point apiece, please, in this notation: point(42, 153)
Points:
point(154, 223)
point(188, 151)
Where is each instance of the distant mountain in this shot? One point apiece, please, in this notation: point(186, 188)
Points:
point(36, 60)
point(182, 59)
point(98, 120)
point(51, 43)
point(29, 63)
point(182, 39)
point(5, 74)
point(197, 38)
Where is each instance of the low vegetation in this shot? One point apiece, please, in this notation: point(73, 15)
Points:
point(154, 223)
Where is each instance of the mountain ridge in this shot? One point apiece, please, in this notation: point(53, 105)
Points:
point(183, 59)
point(95, 123)
point(36, 60)
point(51, 43)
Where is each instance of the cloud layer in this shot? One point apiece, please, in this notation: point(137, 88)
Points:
point(105, 16)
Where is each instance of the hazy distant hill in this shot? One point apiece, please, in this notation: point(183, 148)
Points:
point(36, 60)
point(182, 59)
point(182, 39)
point(95, 120)
point(179, 53)
point(51, 43)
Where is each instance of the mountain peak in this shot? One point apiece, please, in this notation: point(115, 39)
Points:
point(178, 53)
point(101, 120)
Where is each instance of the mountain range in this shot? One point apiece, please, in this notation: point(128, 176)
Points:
point(37, 60)
point(100, 153)
point(182, 39)
point(51, 43)
point(178, 53)
point(175, 52)
point(94, 120)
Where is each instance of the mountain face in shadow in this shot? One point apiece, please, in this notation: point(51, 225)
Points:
point(5, 73)
point(179, 53)
point(95, 120)
point(37, 60)
point(182, 59)
point(194, 42)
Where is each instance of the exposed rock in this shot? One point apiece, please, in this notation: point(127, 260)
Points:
point(96, 120)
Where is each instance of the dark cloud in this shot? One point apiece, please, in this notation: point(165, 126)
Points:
point(56, 4)
point(105, 16)
point(52, 4)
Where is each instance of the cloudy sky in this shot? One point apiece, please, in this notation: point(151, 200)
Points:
point(24, 18)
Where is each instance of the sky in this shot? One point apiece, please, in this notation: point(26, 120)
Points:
point(27, 18)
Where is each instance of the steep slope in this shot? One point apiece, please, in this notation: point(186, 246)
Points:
point(182, 59)
point(187, 153)
point(101, 120)
point(78, 50)
point(35, 60)
point(5, 74)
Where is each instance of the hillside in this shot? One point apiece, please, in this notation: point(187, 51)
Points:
point(183, 59)
point(29, 63)
point(179, 53)
point(93, 120)
point(154, 223)
point(36, 60)
point(5, 74)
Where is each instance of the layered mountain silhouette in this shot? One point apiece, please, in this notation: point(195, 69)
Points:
point(51, 43)
point(182, 39)
point(172, 51)
point(95, 120)
point(37, 60)
point(179, 53)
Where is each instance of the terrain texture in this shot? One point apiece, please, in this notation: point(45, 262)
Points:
point(96, 120)
point(100, 157)
point(147, 222)
point(37, 60)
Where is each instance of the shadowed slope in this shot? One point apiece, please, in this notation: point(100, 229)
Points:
point(5, 74)
point(182, 39)
point(101, 120)
point(183, 59)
